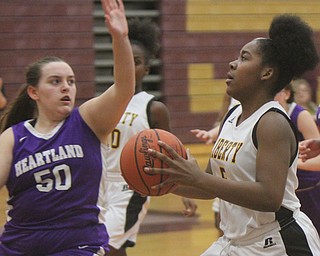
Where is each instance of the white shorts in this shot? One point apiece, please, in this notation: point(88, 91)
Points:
point(124, 213)
point(216, 205)
point(299, 238)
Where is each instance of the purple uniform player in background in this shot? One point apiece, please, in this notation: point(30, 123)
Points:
point(308, 190)
point(306, 128)
point(52, 154)
point(318, 117)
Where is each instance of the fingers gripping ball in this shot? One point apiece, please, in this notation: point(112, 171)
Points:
point(134, 158)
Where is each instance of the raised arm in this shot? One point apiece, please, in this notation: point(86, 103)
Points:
point(103, 112)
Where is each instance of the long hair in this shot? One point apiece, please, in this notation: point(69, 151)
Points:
point(23, 107)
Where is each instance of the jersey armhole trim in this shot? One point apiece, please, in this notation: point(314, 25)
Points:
point(254, 131)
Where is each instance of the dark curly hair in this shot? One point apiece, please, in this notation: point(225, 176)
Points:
point(290, 49)
point(145, 33)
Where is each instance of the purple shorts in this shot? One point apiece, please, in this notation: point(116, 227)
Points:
point(88, 240)
point(308, 193)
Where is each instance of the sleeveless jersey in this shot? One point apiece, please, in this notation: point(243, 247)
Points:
point(234, 155)
point(55, 179)
point(134, 120)
point(293, 113)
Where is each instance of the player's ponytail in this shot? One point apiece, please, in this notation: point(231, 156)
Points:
point(23, 107)
point(290, 49)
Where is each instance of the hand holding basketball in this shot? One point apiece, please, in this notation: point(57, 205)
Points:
point(135, 157)
point(183, 171)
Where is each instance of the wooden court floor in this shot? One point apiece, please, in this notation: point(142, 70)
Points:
point(177, 235)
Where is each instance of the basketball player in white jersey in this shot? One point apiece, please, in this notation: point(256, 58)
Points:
point(253, 164)
point(125, 208)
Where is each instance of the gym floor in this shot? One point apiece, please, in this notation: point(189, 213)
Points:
point(166, 232)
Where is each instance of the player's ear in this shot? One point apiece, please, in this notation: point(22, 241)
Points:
point(32, 92)
point(267, 73)
point(147, 70)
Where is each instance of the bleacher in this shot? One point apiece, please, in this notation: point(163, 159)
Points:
point(103, 46)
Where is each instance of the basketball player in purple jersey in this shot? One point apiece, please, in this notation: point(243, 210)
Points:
point(52, 155)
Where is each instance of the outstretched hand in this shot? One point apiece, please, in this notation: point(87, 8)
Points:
point(115, 17)
point(309, 149)
point(179, 170)
point(203, 135)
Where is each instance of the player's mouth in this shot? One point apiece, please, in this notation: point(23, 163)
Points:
point(229, 78)
point(66, 99)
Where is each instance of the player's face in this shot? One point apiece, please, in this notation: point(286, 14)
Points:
point(141, 67)
point(56, 90)
point(245, 72)
point(303, 93)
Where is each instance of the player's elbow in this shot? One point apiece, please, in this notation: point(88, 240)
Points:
point(272, 203)
point(274, 207)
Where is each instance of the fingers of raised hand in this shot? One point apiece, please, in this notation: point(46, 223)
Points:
point(110, 5)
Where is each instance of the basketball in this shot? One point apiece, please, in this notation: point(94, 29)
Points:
point(134, 158)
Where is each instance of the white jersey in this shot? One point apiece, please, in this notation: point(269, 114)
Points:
point(125, 209)
point(233, 102)
point(234, 156)
point(134, 120)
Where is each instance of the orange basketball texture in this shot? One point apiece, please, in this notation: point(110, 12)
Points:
point(134, 158)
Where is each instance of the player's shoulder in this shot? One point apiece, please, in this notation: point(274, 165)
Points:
point(7, 138)
point(157, 107)
point(275, 123)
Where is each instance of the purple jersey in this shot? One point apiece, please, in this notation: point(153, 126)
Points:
point(308, 191)
point(55, 179)
point(318, 116)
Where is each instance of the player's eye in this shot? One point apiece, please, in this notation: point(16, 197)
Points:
point(55, 81)
point(137, 61)
point(71, 82)
point(242, 57)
